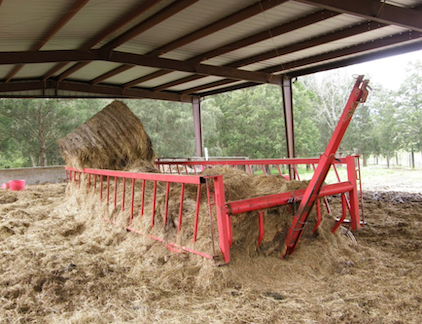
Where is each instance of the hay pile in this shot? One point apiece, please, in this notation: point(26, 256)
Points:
point(112, 139)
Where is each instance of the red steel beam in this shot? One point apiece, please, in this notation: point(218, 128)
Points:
point(225, 22)
point(70, 13)
point(270, 201)
point(250, 40)
point(358, 95)
point(379, 11)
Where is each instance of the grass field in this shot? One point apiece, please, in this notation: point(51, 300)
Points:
point(378, 178)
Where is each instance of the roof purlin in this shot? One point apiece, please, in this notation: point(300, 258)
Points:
point(78, 5)
point(220, 24)
point(133, 14)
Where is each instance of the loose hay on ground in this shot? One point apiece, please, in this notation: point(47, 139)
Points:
point(55, 270)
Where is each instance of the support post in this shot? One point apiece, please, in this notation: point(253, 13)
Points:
point(286, 90)
point(196, 108)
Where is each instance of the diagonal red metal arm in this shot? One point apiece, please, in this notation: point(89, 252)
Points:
point(358, 95)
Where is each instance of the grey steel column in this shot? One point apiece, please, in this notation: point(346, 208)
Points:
point(196, 107)
point(286, 90)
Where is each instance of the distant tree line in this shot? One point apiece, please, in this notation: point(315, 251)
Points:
point(247, 122)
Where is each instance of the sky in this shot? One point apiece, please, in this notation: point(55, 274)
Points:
point(389, 72)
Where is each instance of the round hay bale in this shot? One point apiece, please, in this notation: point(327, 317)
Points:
point(112, 139)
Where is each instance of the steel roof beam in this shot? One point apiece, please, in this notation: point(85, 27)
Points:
point(225, 22)
point(373, 10)
point(335, 61)
point(250, 40)
point(105, 91)
point(137, 60)
point(133, 14)
point(340, 34)
point(78, 5)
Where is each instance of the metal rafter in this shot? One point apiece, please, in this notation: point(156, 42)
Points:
point(108, 90)
point(391, 41)
point(225, 22)
point(137, 60)
point(78, 5)
point(250, 40)
point(374, 10)
point(133, 14)
point(344, 33)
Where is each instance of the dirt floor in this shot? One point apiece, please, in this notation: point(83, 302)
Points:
point(59, 265)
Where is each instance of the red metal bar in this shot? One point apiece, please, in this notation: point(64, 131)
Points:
point(166, 204)
point(296, 172)
point(223, 220)
point(89, 183)
point(95, 182)
point(146, 176)
point(123, 194)
point(142, 199)
point(249, 168)
point(336, 172)
point(108, 190)
point(154, 196)
point(258, 203)
point(182, 193)
point(132, 196)
point(343, 213)
point(79, 185)
point(101, 187)
point(353, 194)
point(198, 201)
point(210, 216)
point(261, 227)
point(115, 192)
point(279, 170)
point(358, 95)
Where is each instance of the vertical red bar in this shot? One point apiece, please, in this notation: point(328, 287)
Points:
point(336, 172)
point(182, 192)
point(177, 167)
point(89, 182)
point(95, 182)
point(101, 187)
point(223, 221)
point(132, 195)
point(186, 169)
point(142, 199)
point(153, 204)
point(79, 181)
point(278, 169)
point(198, 201)
point(296, 172)
point(108, 190)
point(123, 194)
point(263, 169)
point(353, 195)
point(115, 192)
point(343, 213)
point(249, 169)
point(261, 227)
point(166, 204)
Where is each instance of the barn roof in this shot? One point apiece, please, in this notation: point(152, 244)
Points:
point(177, 50)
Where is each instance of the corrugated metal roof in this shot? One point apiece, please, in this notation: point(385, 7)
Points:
point(192, 46)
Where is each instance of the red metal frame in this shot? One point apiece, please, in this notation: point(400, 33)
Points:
point(224, 210)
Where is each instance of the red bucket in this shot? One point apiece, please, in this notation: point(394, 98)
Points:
point(16, 185)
